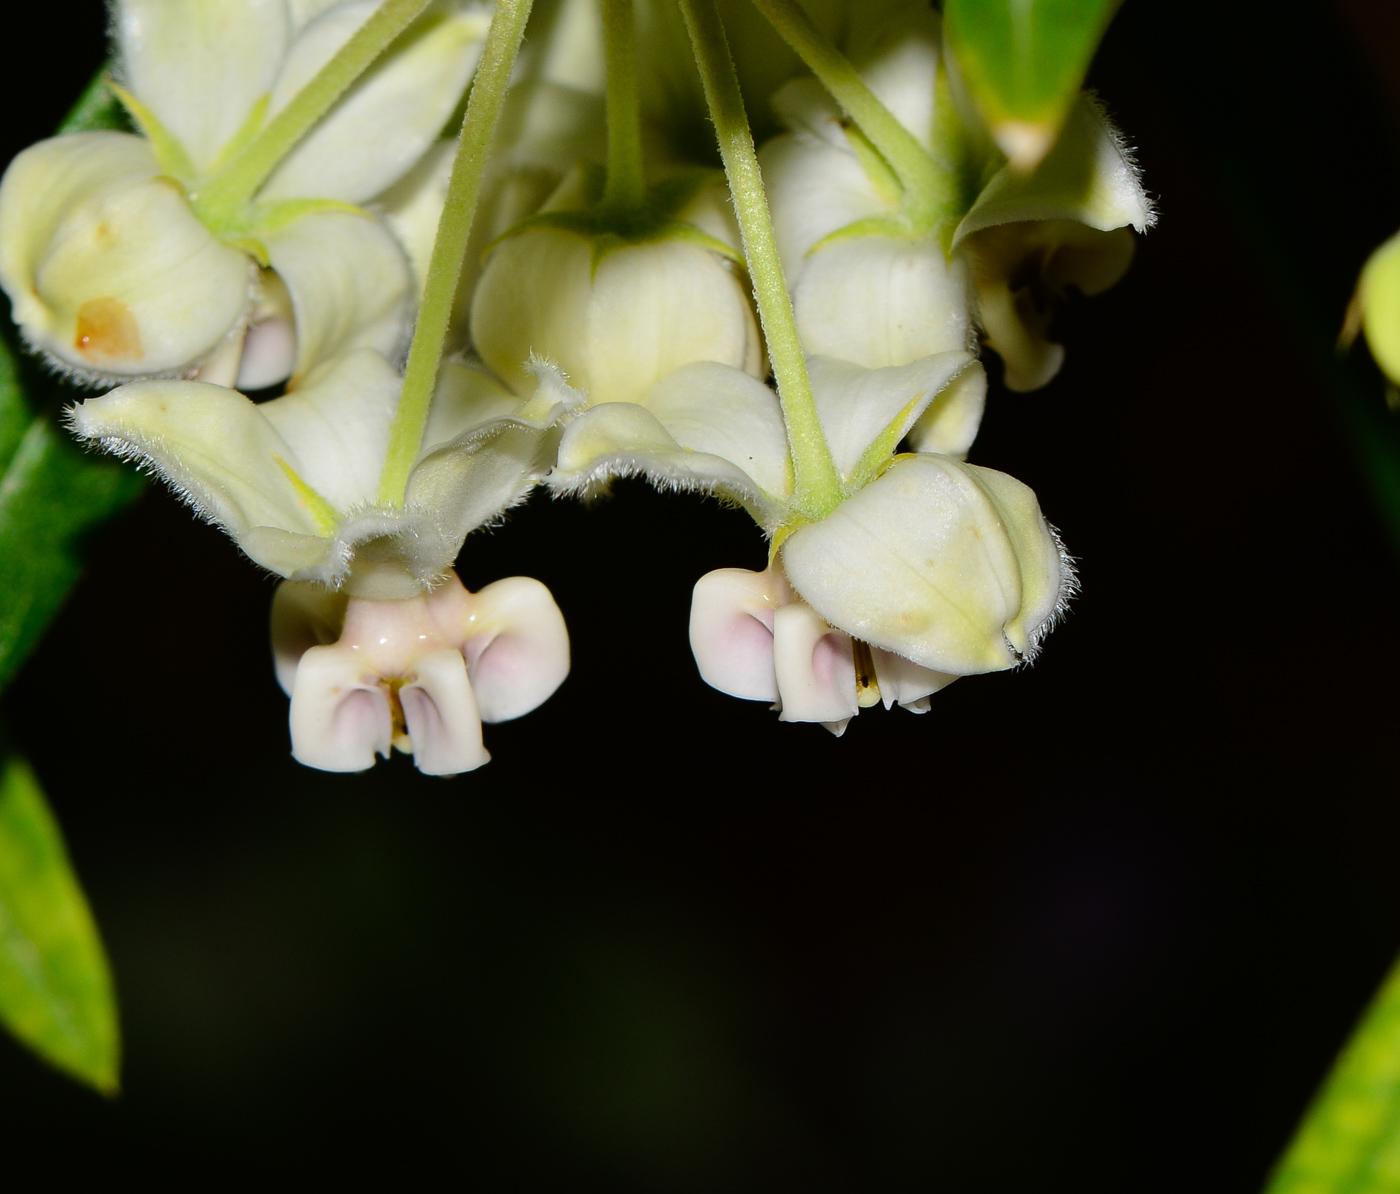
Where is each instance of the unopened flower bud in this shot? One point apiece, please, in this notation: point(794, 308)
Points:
point(615, 323)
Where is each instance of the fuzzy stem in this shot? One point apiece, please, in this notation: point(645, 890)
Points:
point(626, 188)
point(222, 199)
point(929, 194)
point(450, 247)
point(817, 489)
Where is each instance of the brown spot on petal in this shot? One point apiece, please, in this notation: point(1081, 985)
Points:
point(107, 331)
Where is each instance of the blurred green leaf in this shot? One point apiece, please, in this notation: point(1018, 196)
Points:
point(51, 494)
point(1349, 1140)
point(97, 108)
point(1024, 62)
point(1379, 297)
point(56, 991)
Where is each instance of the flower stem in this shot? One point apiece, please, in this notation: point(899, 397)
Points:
point(817, 484)
point(450, 247)
point(928, 193)
point(626, 186)
point(221, 201)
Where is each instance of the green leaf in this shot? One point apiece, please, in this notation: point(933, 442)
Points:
point(56, 991)
point(1349, 1140)
point(97, 108)
point(1024, 62)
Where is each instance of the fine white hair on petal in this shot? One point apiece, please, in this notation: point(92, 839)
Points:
point(1069, 589)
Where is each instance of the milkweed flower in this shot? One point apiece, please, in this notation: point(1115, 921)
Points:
point(119, 265)
point(932, 567)
point(294, 482)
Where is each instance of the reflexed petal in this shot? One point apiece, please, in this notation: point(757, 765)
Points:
point(338, 426)
point(108, 268)
point(879, 301)
point(303, 616)
point(471, 481)
point(1047, 579)
point(621, 439)
point(814, 189)
point(350, 286)
point(815, 670)
point(1088, 177)
point(440, 711)
point(647, 310)
point(905, 683)
point(340, 715)
point(387, 121)
point(861, 408)
point(518, 650)
point(200, 67)
point(211, 445)
point(928, 562)
point(731, 630)
point(949, 425)
point(714, 408)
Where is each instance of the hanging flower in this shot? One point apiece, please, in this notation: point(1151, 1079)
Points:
point(119, 262)
point(419, 674)
point(294, 481)
point(753, 637)
point(945, 567)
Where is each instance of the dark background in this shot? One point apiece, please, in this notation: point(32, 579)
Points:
point(1097, 926)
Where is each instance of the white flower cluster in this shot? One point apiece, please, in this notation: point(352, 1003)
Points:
point(286, 203)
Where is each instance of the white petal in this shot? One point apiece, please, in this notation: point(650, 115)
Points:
point(466, 397)
point(859, 406)
point(647, 310)
point(814, 189)
point(413, 206)
point(473, 480)
point(620, 439)
point(340, 715)
point(518, 650)
point(440, 711)
point(880, 301)
point(1047, 580)
point(1087, 177)
point(338, 426)
point(303, 12)
point(200, 67)
point(923, 562)
point(898, 58)
point(211, 445)
point(949, 424)
point(816, 672)
point(106, 265)
point(350, 286)
point(731, 630)
point(714, 408)
point(903, 682)
point(303, 616)
point(387, 121)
